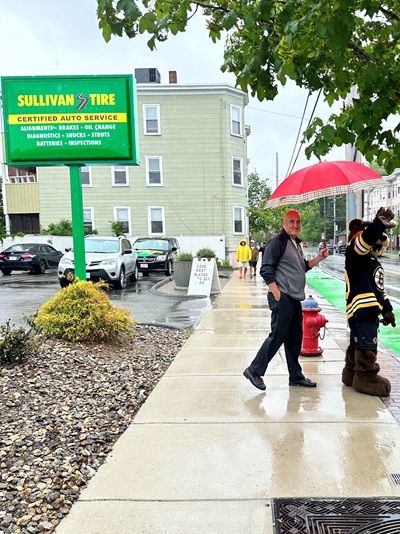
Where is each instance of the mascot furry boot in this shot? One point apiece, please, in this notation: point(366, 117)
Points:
point(366, 378)
point(348, 370)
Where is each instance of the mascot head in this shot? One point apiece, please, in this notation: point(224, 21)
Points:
point(357, 226)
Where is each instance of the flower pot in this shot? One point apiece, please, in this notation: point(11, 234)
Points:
point(182, 270)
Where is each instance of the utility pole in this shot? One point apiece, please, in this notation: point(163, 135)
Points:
point(277, 168)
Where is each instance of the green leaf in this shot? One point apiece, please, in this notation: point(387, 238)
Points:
point(147, 23)
point(105, 30)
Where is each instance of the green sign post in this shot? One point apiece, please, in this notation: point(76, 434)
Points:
point(74, 121)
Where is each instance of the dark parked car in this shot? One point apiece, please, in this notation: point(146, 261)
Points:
point(341, 247)
point(32, 257)
point(156, 254)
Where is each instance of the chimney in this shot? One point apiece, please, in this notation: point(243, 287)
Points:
point(173, 77)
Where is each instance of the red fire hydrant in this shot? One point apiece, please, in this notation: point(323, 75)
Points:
point(313, 321)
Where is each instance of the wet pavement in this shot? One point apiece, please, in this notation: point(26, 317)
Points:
point(209, 453)
point(22, 295)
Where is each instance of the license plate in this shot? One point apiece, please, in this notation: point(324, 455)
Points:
point(88, 275)
point(143, 265)
point(11, 258)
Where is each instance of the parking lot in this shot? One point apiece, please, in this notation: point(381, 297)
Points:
point(22, 295)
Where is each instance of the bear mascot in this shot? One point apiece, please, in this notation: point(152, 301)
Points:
point(366, 303)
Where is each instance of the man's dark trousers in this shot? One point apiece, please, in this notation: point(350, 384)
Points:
point(286, 329)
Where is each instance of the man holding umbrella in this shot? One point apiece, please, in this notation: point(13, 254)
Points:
point(283, 269)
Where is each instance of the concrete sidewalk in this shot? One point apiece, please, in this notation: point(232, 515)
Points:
point(208, 453)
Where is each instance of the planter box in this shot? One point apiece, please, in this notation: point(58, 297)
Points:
point(182, 270)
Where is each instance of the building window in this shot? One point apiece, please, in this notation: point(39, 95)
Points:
point(151, 118)
point(122, 214)
point(86, 176)
point(120, 175)
point(236, 120)
point(237, 171)
point(156, 220)
point(88, 220)
point(154, 170)
point(238, 220)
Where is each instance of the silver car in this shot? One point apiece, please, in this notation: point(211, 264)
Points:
point(107, 258)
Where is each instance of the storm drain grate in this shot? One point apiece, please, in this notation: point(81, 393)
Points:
point(336, 516)
point(396, 478)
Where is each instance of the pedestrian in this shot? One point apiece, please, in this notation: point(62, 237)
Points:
point(254, 258)
point(261, 249)
point(366, 302)
point(243, 255)
point(283, 269)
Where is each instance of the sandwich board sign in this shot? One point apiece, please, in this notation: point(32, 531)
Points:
point(74, 121)
point(204, 277)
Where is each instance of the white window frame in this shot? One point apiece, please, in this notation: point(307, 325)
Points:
point(115, 213)
point(236, 121)
point(88, 170)
point(149, 218)
point(240, 160)
point(145, 108)
point(118, 168)
point(161, 182)
point(241, 208)
point(91, 211)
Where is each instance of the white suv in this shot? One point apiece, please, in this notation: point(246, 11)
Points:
point(107, 258)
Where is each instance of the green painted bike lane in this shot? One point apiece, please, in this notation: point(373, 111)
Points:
point(334, 292)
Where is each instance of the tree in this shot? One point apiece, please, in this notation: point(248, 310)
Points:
point(330, 47)
point(263, 223)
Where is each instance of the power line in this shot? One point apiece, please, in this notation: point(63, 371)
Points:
point(274, 112)
point(309, 122)
point(298, 133)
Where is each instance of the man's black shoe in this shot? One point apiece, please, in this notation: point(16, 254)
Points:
point(257, 381)
point(305, 383)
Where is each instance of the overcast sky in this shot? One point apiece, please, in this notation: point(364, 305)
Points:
point(61, 37)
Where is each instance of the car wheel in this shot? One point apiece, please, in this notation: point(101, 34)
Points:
point(64, 282)
point(42, 267)
point(121, 284)
point(6, 272)
point(135, 275)
point(168, 270)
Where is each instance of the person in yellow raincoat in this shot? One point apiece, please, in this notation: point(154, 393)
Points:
point(243, 255)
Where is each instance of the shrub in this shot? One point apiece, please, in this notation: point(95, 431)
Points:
point(205, 253)
point(64, 227)
point(83, 312)
point(184, 256)
point(117, 228)
point(17, 344)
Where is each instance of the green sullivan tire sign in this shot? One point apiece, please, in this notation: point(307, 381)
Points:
point(70, 120)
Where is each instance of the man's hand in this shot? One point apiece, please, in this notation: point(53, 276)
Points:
point(323, 253)
point(389, 318)
point(386, 216)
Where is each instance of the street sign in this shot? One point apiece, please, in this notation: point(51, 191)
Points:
point(70, 120)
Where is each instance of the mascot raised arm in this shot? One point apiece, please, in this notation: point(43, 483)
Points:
point(366, 303)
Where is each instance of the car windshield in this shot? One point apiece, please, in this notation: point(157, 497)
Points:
point(102, 246)
point(151, 244)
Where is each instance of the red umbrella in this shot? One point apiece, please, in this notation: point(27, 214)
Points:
point(324, 179)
